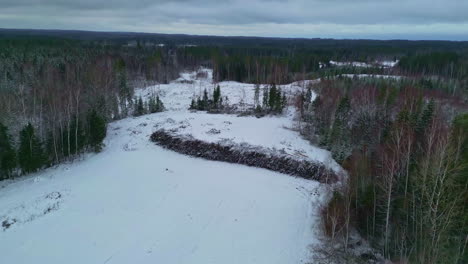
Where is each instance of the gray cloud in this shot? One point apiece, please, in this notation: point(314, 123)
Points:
point(436, 19)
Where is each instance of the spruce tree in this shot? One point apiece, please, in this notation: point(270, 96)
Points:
point(273, 97)
point(193, 104)
point(216, 96)
point(426, 118)
point(7, 154)
point(339, 137)
point(159, 105)
point(152, 108)
point(284, 101)
point(97, 130)
point(199, 104)
point(257, 95)
point(205, 100)
point(139, 107)
point(265, 98)
point(30, 153)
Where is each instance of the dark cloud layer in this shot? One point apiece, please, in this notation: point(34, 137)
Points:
point(413, 19)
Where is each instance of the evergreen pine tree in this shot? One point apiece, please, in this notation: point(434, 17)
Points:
point(339, 137)
point(216, 96)
point(30, 153)
point(193, 104)
point(278, 104)
point(205, 100)
point(139, 107)
point(273, 97)
point(284, 101)
point(257, 95)
point(199, 104)
point(265, 98)
point(152, 107)
point(97, 130)
point(7, 154)
point(426, 118)
point(159, 105)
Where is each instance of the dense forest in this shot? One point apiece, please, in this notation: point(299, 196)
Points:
point(403, 141)
point(404, 145)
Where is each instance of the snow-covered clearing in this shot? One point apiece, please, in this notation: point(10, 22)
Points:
point(136, 202)
point(373, 76)
point(384, 64)
point(178, 94)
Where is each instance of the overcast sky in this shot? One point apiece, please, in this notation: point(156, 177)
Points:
point(377, 19)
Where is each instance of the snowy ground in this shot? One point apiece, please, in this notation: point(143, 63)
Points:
point(373, 76)
point(138, 203)
point(384, 64)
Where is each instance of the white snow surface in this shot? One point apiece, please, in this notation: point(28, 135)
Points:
point(373, 76)
point(385, 64)
point(136, 202)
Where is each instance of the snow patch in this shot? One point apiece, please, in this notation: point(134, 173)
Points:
point(27, 212)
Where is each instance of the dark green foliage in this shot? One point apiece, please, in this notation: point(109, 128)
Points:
point(206, 104)
point(30, 154)
point(339, 139)
point(258, 109)
point(139, 107)
point(193, 104)
point(97, 130)
point(273, 100)
point(257, 95)
point(426, 118)
point(273, 97)
point(440, 63)
point(265, 98)
point(155, 105)
point(7, 154)
point(216, 96)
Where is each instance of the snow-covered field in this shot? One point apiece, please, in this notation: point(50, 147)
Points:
point(136, 202)
point(384, 64)
point(178, 94)
point(373, 76)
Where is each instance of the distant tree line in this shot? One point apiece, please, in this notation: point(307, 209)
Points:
point(446, 64)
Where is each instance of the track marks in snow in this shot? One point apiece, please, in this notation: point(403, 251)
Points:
point(29, 211)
